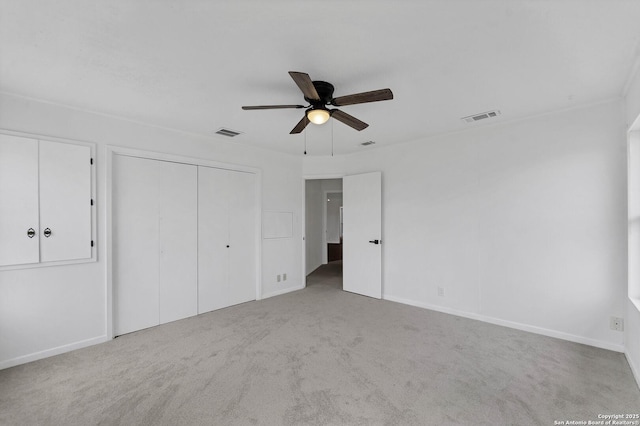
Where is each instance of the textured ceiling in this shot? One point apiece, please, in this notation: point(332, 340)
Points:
point(191, 65)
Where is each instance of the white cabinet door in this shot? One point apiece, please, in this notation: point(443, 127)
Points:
point(226, 244)
point(136, 241)
point(242, 233)
point(213, 230)
point(178, 218)
point(44, 183)
point(18, 200)
point(65, 201)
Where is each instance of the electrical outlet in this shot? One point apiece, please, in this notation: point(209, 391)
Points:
point(616, 323)
point(278, 278)
point(284, 277)
point(441, 291)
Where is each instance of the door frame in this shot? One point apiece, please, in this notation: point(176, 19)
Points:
point(111, 152)
point(303, 221)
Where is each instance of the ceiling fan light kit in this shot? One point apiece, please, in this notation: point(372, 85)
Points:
point(318, 115)
point(319, 94)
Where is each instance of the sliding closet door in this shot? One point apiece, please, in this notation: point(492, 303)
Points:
point(226, 244)
point(213, 242)
point(136, 238)
point(155, 225)
point(242, 254)
point(178, 251)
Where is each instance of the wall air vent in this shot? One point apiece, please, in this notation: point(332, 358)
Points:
point(227, 132)
point(367, 143)
point(483, 115)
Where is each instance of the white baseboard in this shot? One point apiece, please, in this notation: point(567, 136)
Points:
point(51, 352)
point(524, 327)
point(283, 291)
point(95, 340)
point(635, 369)
point(510, 324)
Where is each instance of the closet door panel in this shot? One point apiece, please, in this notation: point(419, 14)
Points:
point(242, 256)
point(213, 239)
point(178, 241)
point(18, 200)
point(136, 196)
point(65, 201)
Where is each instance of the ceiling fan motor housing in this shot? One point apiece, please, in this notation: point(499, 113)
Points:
point(325, 93)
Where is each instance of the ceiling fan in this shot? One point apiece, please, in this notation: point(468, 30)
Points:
point(319, 94)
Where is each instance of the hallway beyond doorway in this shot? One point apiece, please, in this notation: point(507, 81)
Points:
point(328, 275)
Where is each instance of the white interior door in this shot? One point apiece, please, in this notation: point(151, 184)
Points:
point(65, 201)
point(18, 201)
point(136, 238)
point(178, 225)
point(362, 234)
point(213, 229)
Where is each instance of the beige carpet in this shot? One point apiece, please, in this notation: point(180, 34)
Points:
point(321, 356)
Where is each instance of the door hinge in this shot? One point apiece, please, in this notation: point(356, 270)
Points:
point(91, 243)
point(90, 160)
point(92, 201)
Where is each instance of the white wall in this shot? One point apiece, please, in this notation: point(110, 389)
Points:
point(334, 202)
point(632, 323)
point(49, 310)
point(522, 224)
point(331, 185)
point(313, 225)
point(331, 235)
point(632, 97)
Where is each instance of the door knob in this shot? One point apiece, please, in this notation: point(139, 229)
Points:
point(375, 241)
point(47, 232)
point(31, 233)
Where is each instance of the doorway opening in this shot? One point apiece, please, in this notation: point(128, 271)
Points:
point(323, 231)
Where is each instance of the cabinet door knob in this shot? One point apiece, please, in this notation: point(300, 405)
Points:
point(47, 232)
point(31, 233)
point(227, 245)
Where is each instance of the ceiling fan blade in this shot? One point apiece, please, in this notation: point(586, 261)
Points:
point(305, 84)
point(364, 97)
point(349, 120)
point(300, 126)
point(271, 107)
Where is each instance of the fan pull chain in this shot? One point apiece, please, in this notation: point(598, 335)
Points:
point(305, 141)
point(332, 138)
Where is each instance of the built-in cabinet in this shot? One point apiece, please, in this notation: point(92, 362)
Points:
point(183, 240)
point(45, 201)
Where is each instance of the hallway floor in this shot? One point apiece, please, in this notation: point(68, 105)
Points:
point(329, 275)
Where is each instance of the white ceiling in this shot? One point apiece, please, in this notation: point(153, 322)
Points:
point(191, 65)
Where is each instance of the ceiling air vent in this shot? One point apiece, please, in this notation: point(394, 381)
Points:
point(227, 132)
point(367, 143)
point(481, 116)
